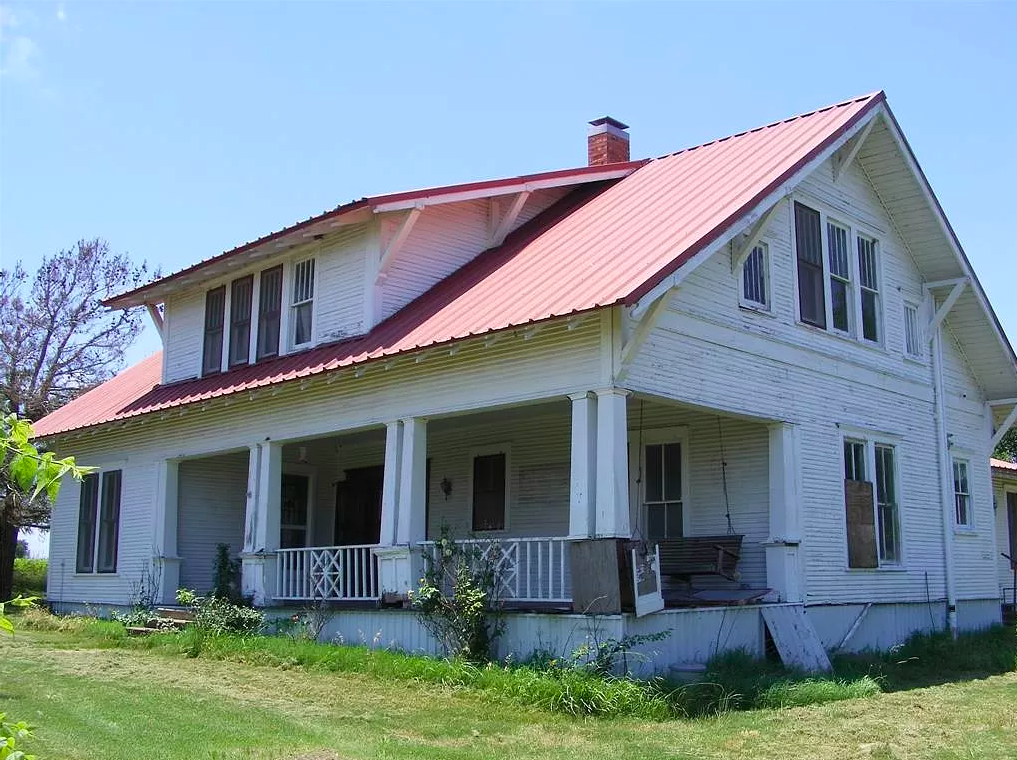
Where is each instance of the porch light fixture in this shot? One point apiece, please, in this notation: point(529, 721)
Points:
point(446, 487)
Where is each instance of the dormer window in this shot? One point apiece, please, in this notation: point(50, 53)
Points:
point(303, 302)
point(269, 312)
point(215, 312)
point(241, 294)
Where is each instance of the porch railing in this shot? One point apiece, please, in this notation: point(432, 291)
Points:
point(526, 569)
point(327, 573)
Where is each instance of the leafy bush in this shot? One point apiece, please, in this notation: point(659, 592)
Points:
point(226, 575)
point(30, 576)
point(217, 616)
point(12, 736)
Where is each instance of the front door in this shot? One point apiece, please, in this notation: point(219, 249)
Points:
point(358, 507)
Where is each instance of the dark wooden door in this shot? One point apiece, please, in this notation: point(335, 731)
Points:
point(358, 507)
point(1011, 513)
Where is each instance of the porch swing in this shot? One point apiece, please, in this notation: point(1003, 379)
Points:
point(684, 557)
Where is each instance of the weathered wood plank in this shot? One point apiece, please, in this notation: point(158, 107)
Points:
point(796, 638)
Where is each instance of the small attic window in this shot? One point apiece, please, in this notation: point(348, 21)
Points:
point(755, 293)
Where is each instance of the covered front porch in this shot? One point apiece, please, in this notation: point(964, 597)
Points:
point(348, 518)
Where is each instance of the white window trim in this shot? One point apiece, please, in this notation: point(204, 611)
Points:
point(100, 471)
point(745, 303)
point(871, 439)
point(289, 279)
point(481, 451)
point(969, 526)
point(311, 473)
point(637, 486)
point(826, 213)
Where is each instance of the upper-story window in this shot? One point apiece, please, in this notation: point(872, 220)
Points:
point(241, 300)
point(912, 332)
point(269, 312)
point(303, 302)
point(838, 276)
point(756, 278)
point(215, 314)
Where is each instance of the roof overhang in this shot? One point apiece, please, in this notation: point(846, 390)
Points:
point(357, 212)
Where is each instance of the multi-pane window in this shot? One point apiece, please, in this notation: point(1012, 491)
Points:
point(840, 277)
point(98, 522)
point(293, 511)
point(489, 492)
point(662, 494)
point(912, 332)
point(809, 244)
point(303, 301)
point(868, 278)
point(961, 493)
point(755, 278)
point(269, 312)
point(215, 311)
point(241, 295)
point(872, 504)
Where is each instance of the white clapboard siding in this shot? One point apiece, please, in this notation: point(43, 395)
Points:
point(212, 498)
point(442, 240)
point(184, 334)
point(709, 352)
point(339, 308)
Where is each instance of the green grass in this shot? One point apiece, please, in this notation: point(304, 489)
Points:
point(30, 577)
point(91, 692)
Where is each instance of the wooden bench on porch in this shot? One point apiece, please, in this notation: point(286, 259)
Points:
point(700, 555)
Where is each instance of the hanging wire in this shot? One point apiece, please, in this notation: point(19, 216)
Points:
point(723, 476)
point(639, 455)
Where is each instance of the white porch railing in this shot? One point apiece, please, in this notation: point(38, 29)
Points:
point(327, 573)
point(526, 569)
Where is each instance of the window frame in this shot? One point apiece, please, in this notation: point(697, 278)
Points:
point(871, 440)
point(918, 356)
point(963, 459)
point(101, 478)
point(206, 355)
point(232, 323)
point(485, 451)
point(310, 474)
point(290, 283)
point(744, 301)
point(259, 356)
point(637, 486)
point(855, 229)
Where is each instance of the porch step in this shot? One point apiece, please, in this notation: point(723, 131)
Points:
point(170, 613)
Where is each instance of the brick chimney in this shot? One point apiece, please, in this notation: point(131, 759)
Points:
point(607, 142)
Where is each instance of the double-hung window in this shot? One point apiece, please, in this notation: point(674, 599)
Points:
point(756, 278)
point(912, 332)
point(98, 522)
point(962, 494)
point(838, 276)
point(215, 314)
point(872, 503)
point(241, 300)
point(489, 490)
point(663, 490)
point(269, 312)
point(303, 302)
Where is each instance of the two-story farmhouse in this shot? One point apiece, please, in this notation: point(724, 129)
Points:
point(767, 355)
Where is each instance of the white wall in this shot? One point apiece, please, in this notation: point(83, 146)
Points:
point(709, 352)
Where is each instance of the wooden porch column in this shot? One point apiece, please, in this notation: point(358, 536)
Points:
point(390, 483)
point(582, 497)
point(262, 521)
point(411, 527)
point(612, 487)
point(783, 557)
point(167, 561)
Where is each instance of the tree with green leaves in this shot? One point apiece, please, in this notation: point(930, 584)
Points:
point(1007, 448)
point(29, 482)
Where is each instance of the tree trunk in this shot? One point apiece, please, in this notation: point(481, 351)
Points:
point(8, 548)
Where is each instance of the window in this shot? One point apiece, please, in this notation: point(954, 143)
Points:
point(663, 491)
point(809, 244)
point(869, 280)
point(489, 491)
point(293, 511)
point(303, 301)
point(840, 277)
point(98, 518)
point(962, 493)
point(215, 309)
point(269, 312)
point(241, 294)
point(756, 278)
point(853, 305)
point(912, 332)
point(871, 504)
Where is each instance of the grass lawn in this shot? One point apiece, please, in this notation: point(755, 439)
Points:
point(86, 700)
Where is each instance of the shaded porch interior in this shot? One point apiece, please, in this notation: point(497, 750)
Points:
point(332, 490)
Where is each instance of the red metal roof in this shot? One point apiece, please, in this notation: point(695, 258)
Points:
point(602, 244)
point(1002, 464)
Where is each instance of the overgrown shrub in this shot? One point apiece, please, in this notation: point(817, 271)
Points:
point(226, 575)
point(457, 601)
point(12, 739)
point(216, 615)
point(30, 577)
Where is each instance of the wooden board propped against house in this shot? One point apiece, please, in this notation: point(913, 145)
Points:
point(795, 637)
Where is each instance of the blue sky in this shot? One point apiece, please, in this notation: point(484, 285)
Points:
point(178, 130)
